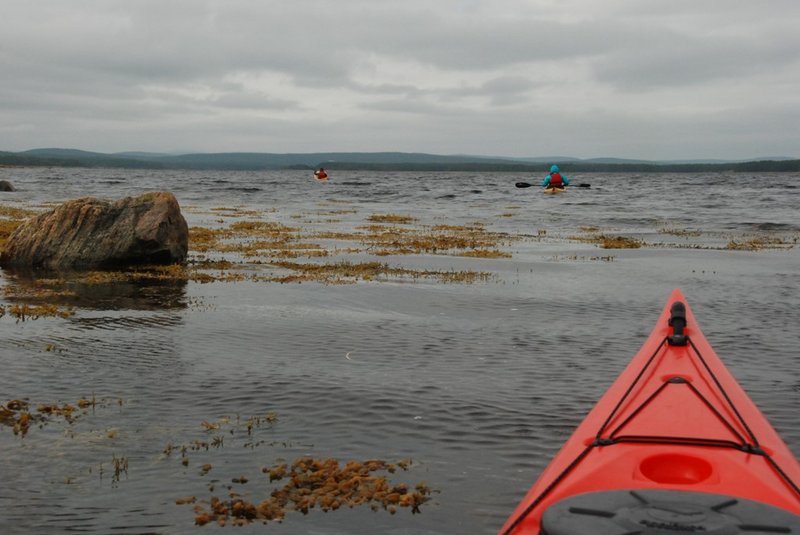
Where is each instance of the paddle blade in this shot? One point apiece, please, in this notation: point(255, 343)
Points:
point(523, 185)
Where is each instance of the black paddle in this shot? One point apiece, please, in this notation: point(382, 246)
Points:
point(527, 185)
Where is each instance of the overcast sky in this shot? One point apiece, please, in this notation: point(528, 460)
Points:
point(669, 79)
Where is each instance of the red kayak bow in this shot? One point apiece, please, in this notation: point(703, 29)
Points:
point(674, 446)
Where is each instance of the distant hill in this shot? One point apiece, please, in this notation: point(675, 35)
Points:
point(81, 158)
point(621, 161)
point(65, 153)
point(135, 154)
point(387, 161)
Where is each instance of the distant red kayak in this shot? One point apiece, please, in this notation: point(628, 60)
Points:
point(674, 446)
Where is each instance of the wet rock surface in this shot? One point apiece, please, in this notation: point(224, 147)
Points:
point(88, 232)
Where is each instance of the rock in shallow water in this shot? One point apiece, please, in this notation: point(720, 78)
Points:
point(89, 233)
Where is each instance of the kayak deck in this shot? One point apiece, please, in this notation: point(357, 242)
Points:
point(674, 420)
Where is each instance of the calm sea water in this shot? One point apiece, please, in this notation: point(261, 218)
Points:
point(477, 384)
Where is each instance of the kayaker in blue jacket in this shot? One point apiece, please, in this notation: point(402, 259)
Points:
point(555, 179)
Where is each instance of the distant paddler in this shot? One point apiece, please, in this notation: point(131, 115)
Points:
point(555, 182)
point(321, 174)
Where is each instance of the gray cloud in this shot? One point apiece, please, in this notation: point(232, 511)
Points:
point(617, 77)
point(667, 58)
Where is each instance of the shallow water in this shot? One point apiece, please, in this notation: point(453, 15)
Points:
point(478, 384)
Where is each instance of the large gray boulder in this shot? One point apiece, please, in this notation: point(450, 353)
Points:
point(88, 233)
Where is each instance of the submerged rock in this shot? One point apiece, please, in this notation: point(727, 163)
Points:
point(88, 233)
point(5, 185)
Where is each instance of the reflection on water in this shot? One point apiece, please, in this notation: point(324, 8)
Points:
point(77, 289)
point(478, 385)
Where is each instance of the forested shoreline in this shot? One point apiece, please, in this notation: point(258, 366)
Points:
point(371, 162)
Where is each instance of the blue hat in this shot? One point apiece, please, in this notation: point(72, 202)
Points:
point(554, 169)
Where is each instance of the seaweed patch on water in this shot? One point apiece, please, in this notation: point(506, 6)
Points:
point(684, 233)
point(757, 243)
point(234, 427)
point(485, 253)
point(391, 218)
point(234, 211)
point(619, 242)
point(315, 483)
point(20, 415)
point(741, 243)
point(246, 245)
point(579, 258)
point(347, 272)
point(120, 466)
point(24, 312)
point(609, 242)
point(308, 483)
point(436, 239)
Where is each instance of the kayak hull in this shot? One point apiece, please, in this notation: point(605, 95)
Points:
point(551, 190)
point(674, 420)
point(663, 511)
